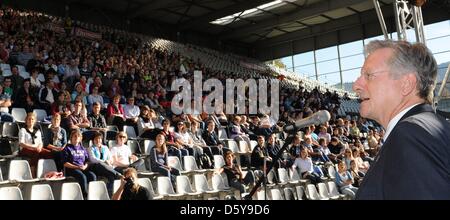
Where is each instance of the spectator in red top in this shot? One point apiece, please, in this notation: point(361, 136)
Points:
point(4, 53)
point(115, 113)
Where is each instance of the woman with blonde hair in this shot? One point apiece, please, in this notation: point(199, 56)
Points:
point(30, 143)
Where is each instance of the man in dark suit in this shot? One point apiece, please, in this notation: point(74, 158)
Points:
point(396, 90)
point(212, 140)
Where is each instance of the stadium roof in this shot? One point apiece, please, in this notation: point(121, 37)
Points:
point(265, 29)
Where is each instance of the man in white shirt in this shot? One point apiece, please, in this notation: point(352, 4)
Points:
point(122, 157)
point(131, 112)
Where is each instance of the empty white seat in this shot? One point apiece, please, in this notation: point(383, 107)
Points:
point(333, 191)
point(295, 178)
point(331, 172)
point(10, 193)
point(313, 194)
point(289, 193)
point(71, 191)
point(276, 194)
point(165, 187)
point(6, 73)
point(201, 184)
point(19, 170)
point(219, 162)
point(300, 192)
point(25, 75)
point(130, 131)
point(218, 183)
point(148, 145)
point(21, 68)
point(283, 176)
point(225, 180)
point(184, 186)
point(41, 114)
point(190, 164)
point(19, 114)
point(222, 134)
point(41, 192)
point(323, 191)
point(97, 191)
point(41, 77)
point(233, 146)
point(112, 143)
point(261, 195)
point(5, 66)
point(145, 182)
point(243, 148)
point(44, 166)
point(1, 178)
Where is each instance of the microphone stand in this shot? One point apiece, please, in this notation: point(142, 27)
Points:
point(265, 177)
point(287, 141)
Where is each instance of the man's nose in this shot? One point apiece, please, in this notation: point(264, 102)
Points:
point(357, 85)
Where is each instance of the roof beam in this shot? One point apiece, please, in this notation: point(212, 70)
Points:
point(302, 13)
point(151, 5)
point(232, 9)
point(354, 20)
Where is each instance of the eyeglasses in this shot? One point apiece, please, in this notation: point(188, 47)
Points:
point(370, 76)
point(122, 136)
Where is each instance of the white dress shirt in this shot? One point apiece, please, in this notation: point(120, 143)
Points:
point(395, 120)
point(131, 111)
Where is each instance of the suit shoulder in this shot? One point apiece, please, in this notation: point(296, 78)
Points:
point(423, 135)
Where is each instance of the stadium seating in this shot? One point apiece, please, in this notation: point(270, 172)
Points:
point(10, 193)
point(41, 192)
point(71, 191)
point(97, 191)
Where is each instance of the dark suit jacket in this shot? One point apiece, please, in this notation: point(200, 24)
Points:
point(414, 162)
point(257, 157)
point(211, 139)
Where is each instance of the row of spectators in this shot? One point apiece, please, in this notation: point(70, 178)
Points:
point(121, 80)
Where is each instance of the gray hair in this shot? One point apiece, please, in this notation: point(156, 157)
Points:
point(407, 58)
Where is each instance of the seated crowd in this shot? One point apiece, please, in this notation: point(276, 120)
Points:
point(110, 90)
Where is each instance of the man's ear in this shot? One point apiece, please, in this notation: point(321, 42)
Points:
point(408, 83)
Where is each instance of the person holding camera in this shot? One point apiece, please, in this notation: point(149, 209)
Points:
point(129, 188)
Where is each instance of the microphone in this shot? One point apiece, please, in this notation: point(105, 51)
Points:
point(317, 118)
